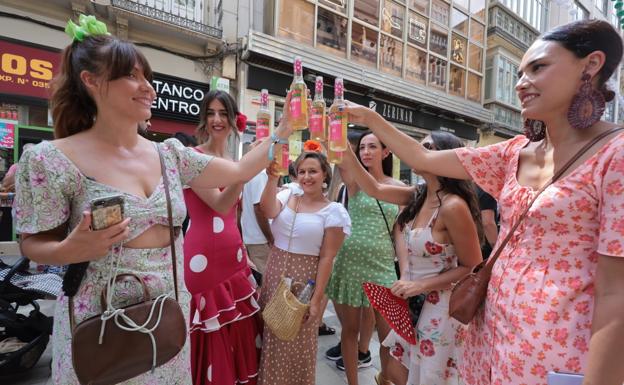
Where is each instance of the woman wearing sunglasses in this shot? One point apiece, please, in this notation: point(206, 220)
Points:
point(437, 241)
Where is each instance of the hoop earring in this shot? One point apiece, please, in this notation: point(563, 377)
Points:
point(534, 130)
point(587, 106)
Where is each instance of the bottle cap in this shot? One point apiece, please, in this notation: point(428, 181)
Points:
point(264, 97)
point(311, 282)
point(298, 66)
point(318, 85)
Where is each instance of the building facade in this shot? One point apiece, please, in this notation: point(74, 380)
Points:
point(420, 63)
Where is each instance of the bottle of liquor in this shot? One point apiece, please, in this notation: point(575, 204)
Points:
point(263, 118)
point(317, 115)
point(282, 159)
point(334, 157)
point(294, 145)
point(306, 294)
point(338, 120)
point(298, 99)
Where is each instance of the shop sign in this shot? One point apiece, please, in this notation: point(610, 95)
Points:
point(177, 99)
point(395, 113)
point(417, 31)
point(222, 84)
point(7, 132)
point(26, 70)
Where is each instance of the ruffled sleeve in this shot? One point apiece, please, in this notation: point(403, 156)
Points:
point(189, 162)
point(488, 166)
point(611, 237)
point(42, 200)
point(337, 216)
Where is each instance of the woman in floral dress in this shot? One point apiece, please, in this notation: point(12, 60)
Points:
point(555, 301)
point(101, 94)
point(437, 242)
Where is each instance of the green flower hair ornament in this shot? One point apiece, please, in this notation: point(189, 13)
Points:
point(87, 26)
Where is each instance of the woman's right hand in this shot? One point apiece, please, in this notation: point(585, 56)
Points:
point(358, 114)
point(272, 171)
point(284, 129)
point(84, 244)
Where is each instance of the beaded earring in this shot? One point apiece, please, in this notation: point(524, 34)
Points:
point(534, 130)
point(587, 106)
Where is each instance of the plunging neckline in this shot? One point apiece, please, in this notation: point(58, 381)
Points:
point(155, 190)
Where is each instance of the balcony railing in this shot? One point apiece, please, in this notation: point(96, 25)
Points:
point(189, 14)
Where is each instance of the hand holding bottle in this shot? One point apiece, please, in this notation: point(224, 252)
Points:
point(358, 114)
point(284, 129)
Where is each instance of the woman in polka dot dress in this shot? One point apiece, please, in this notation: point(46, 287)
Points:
point(318, 229)
point(224, 312)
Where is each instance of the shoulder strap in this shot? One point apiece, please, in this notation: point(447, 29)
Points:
point(387, 225)
point(556, 176)
point(292, 228)
point(163, 170)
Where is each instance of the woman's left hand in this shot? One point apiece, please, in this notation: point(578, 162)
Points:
point(313, 316)
point(405, 289)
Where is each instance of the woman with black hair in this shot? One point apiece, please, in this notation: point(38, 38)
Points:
point(437, 241)
point(367, 256)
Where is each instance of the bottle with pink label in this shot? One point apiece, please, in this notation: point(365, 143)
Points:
point(263, 118)
point(318, 123)
point(282, 158)
point(298, 99)
point(338, 120)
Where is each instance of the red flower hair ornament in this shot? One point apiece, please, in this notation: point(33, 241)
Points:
point(312, 146)
point(241, 122)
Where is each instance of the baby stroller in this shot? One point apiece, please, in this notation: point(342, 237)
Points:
point(23, 338)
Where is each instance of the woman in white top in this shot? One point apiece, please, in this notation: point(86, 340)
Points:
point(319, 228)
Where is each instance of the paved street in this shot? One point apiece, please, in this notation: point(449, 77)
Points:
point(326, 371)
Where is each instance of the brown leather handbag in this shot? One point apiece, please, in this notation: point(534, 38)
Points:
point(120, 344)
point(469, 293)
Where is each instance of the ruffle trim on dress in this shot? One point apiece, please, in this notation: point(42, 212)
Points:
point(347, 292)
point(232, 300)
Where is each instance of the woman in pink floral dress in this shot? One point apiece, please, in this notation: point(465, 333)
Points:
point(556, 297)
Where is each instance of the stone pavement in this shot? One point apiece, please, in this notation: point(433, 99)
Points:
point(326, 371)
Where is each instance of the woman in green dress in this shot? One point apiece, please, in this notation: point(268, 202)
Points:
point(367, 256)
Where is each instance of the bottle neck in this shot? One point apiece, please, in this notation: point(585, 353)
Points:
point(298, 78)
point(318, 96)
point(338, 97)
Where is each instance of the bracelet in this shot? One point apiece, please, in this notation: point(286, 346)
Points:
point(275, 140)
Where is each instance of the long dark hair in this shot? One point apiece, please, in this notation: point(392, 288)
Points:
point(386, 163)
point(586, 36)
point(230, 106)
point(73, 108)
point(463, 188)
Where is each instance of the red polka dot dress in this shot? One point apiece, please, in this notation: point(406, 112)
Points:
point(224, 316)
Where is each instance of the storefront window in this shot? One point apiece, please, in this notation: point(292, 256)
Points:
point(416, 68)
point(474, 87)
point(331, 32)
point(438, 40)
point(391, 55)
point(459, 21)
point(475, 60)
point(421, 6)
point(364, 45)
point(393, 18)
point(437, 72)
point(417, 29)
point(367, 10)
point(477, 8)
point(296, 21)
point(457, 81)
point(440, 12)
point(458, 49)
point(476, 31)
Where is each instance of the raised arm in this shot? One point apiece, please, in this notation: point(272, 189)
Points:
point(400, 195)
point(220, 201)
point(270, 206)
point(401, 250)
point(441, 163)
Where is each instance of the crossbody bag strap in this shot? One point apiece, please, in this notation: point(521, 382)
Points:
point(292, 228)
point(490, 263)
point(170, 217)
point(387, 225)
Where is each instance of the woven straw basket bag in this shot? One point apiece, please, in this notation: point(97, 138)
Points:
point(284, 313)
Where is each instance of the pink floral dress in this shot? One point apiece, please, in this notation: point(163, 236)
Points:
point(433, 360)
point(538, 312)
